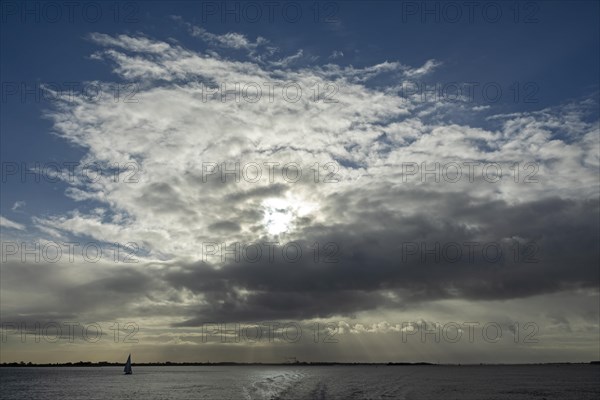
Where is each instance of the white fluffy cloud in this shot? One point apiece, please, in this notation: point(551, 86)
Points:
point(179, 124)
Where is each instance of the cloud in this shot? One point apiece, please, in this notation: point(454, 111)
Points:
point(287, 61)
point(427, 68)
point(258, 50)
point(18, 205)
point(181, 125)
point(336, 54)
point(133, 44)
point(7, 223)
point(231, 39)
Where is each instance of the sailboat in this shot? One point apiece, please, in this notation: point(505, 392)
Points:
point(127, 369)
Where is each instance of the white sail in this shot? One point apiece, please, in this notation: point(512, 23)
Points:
point(127, 369)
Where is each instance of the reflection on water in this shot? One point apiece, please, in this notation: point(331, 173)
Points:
point(304, 382)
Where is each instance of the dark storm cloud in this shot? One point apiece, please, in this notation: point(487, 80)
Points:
point(370, 272)
point(370, 261)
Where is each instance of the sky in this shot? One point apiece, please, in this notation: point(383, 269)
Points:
point(349, 181)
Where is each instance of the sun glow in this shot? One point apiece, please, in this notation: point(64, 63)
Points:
point(280, 214)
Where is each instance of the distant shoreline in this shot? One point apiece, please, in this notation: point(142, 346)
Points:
point(314, 364)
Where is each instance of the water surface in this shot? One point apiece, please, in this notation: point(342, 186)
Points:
point(577, 382)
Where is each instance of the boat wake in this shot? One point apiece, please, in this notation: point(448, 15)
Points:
point(273, 386)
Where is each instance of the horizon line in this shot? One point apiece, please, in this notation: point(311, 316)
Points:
point(304, 363)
